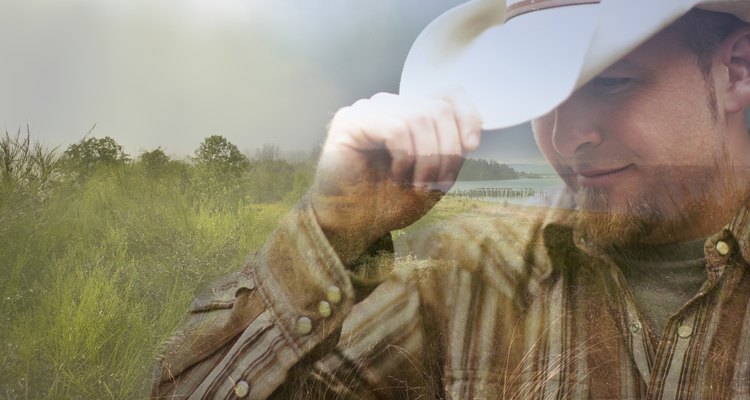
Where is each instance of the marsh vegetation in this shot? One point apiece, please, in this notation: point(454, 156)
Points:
point(102, 252)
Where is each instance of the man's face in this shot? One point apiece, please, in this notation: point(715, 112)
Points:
point(645, 148)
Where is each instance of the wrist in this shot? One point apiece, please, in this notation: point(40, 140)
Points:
point(344, 226)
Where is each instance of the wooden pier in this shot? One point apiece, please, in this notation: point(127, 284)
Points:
point(499, 193)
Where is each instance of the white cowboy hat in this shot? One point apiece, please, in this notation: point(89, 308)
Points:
point(521, 60)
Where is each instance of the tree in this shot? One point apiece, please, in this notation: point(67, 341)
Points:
point(485, 170)
point(155, 159)
point(217, 152)
point(154, 162)
point(88, 154)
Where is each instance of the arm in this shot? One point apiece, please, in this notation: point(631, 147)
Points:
point(386, 162)
point(255, 325)
point(273, 321)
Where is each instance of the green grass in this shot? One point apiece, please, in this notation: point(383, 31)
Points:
point(97, 274)
point(98, 270)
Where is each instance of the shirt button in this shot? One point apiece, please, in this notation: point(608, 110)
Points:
point(333, 294)
point(635, 328)
point(241, 389)
point(684, 331)
point(722, 247)
point(304, 325)
point(324, 309)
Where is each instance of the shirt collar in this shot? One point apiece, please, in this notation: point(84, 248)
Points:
point(726, 247)
point(731, 246)
point(738, 234)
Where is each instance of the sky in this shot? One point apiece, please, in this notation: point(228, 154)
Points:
point(168, 73)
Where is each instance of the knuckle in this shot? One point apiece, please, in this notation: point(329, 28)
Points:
point(359, 103)
point(383, 95)
point(443, 109)
point(399, 128)
point(471, 122)
point(337, 122)
point(343, 114)
point(422, 121)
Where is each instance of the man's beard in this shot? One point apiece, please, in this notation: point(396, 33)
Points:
point(606, 225)
point(688, 198)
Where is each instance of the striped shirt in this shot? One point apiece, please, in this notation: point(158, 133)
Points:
point(488, 307)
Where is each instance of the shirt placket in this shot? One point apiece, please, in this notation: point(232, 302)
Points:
point(674, 356)
point(641, 344)
point(685, 331)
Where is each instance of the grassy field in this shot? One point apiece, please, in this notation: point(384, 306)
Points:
point(98, 270)
point(97, 274)
point(100, 261)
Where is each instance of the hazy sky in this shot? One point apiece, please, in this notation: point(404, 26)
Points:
point(170, 72)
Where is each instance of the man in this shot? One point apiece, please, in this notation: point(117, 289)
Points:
point(642, 290)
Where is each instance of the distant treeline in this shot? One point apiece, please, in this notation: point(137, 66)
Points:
point(489, 170)
point(217, 170)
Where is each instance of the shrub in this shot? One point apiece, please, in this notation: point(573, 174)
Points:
point(83, 158)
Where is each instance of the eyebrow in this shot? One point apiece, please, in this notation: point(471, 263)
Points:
point(626, 64)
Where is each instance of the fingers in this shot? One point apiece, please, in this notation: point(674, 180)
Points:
point(451, 146)
point(469, 128)
point(425, 122)
point(425, 138)
point(401, 148)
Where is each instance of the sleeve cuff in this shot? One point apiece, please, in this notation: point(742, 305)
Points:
point(305, 284)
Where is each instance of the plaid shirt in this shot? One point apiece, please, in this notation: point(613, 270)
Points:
point(488, 308)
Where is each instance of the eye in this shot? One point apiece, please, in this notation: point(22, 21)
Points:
point(611, 84)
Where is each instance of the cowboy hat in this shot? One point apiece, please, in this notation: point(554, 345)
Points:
point(519, 59)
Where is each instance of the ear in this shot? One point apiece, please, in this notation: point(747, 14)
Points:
point(736, 57)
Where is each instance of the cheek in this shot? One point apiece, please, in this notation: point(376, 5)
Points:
point(666, 134)
point(672, 120)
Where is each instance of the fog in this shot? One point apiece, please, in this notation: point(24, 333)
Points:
point(169, 73)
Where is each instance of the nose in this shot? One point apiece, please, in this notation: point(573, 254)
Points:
point(576, 127)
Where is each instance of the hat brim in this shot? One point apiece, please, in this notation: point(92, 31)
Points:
point(517, 71)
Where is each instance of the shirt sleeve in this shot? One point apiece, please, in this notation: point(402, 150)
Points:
point(283, 312)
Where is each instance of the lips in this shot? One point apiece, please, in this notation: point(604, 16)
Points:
point(593, 177)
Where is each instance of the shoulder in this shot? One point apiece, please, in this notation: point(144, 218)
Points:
point(501, 244)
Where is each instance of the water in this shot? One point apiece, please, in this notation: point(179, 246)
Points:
point(519, 191)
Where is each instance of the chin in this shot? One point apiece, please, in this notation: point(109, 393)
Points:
point(606, 223)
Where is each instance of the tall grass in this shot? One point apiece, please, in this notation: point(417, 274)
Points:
point(97, 273)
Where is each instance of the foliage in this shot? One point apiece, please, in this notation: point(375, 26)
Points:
point(217, 152)
point(99, 270)
point(24, 165)
point(272, 179)
point(156, 165)
point(487, 170)
point(154, 160)
point(84, 157)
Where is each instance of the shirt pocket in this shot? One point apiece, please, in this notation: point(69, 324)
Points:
point(216, 316)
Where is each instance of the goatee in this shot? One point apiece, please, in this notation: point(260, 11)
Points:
point(607, 225)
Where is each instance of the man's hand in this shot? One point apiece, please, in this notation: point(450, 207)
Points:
point(386, 162)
